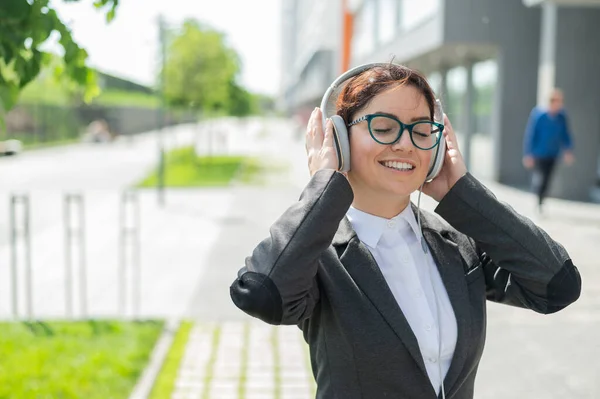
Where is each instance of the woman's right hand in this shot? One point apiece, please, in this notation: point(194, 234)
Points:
point(319, 145)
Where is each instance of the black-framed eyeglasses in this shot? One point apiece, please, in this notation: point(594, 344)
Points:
point(386, 129)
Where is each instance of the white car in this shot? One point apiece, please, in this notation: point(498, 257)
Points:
point(10, 147)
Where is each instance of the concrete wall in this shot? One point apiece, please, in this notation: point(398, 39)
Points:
point(311, 50)
point(515, 31)
point(577, 72)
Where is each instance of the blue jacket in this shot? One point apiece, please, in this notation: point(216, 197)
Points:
point(546, 135)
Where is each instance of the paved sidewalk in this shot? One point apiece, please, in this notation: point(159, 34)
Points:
point(249, 360)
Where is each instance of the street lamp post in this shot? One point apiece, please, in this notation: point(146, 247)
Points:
point(161, 147)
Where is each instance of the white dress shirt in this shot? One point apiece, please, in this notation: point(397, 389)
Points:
point(415, 282)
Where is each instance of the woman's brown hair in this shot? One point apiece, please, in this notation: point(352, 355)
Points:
point(362, 88)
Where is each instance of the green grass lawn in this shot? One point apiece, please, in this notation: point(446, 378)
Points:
point(51, 92)
point(114, 97)
point(74, 360)
point(184, 169)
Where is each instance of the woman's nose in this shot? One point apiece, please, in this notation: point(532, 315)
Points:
point(403, 143)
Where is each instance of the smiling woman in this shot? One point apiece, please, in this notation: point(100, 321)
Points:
point(388, 307)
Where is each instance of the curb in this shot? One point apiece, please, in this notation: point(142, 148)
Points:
point(159, 353)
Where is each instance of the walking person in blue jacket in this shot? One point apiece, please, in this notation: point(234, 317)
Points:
point(547, 136)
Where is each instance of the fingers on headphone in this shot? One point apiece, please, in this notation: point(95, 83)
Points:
point(314, 124)
point(328, 138)
point(311, 129)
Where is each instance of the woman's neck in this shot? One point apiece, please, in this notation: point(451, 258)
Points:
point(386, 206)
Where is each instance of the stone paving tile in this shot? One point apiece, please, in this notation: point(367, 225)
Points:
point(251, 360)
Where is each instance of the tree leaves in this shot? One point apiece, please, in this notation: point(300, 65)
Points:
point(9, 93)
point(25, 25)
point(201, 72)
point(14, 10)
point(108, 3)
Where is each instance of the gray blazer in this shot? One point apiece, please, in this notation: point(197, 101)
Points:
point(313, 271)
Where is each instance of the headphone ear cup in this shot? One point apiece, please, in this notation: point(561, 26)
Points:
point(440, 151)
point(438, 160)
point(341, 143)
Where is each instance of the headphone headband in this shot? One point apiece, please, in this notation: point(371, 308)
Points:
point(342, 78)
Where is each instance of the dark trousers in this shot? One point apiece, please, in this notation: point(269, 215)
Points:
point(542, 172)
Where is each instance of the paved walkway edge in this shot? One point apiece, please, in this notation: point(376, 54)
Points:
point(157, 358)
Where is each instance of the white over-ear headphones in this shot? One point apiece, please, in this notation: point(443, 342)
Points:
point(340, 136)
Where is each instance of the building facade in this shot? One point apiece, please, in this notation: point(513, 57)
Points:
point(311, 51)
point(535, 45)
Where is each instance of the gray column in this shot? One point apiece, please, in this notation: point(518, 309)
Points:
point(516, 93)
point(468, 125)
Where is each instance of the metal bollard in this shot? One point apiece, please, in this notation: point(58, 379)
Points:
point(24, 232)
point(129, 237)
point(75, 235)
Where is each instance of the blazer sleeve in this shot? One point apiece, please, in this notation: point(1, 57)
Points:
point(278, 282)
point(523, 265)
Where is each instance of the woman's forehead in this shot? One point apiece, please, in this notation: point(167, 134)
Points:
point(399, 100)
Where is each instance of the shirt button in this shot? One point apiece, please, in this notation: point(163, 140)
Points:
point(391, 224)
point(433, 360)
point(418, 293)
point(428, 327)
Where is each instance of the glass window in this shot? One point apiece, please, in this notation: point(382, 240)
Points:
point(435, 81)
point(485, 76)
point(456, 86)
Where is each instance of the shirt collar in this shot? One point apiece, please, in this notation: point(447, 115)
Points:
point(408, 215)
point(369, 228)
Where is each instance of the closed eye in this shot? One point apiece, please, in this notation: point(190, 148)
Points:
point(423, 135)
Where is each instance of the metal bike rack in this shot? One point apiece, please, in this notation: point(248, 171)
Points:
point(74, 223)
point(23, 231)
point(129, 239)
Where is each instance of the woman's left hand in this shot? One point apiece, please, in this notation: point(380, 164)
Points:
point(454, 166)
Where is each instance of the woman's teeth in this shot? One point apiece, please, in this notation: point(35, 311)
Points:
point(403, 166)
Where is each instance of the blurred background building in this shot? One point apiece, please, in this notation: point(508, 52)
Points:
point(490, 61)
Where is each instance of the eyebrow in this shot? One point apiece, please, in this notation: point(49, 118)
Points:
point(415, 119)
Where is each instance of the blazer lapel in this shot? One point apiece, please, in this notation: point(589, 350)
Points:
point(359, 262)
point(449, 262)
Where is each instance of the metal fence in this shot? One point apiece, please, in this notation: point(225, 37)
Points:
point(75, 276)
point(20, 231)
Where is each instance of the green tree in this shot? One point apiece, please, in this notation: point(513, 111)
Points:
point(25, 25)
point(201, 72)
point(241, 101)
